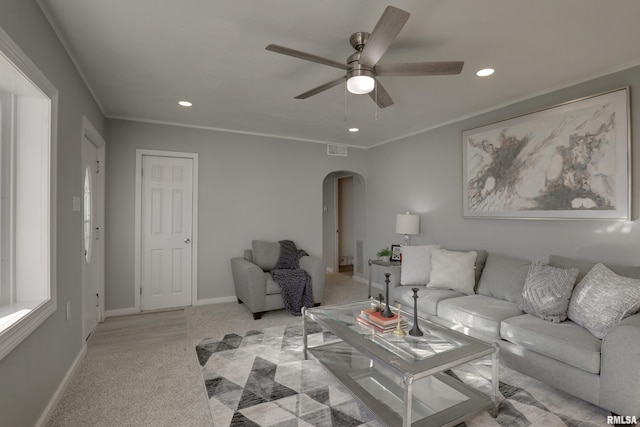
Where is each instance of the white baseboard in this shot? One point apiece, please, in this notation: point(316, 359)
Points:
point(215, 300)
point(360, 279)
point(53, 403)
point(133, 310)
point(330, 269)
point(375, 285)
point(121, 312)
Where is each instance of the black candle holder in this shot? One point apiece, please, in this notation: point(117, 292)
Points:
point(387, 310)
point(415, 331)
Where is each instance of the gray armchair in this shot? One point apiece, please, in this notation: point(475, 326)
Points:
point(255, 286)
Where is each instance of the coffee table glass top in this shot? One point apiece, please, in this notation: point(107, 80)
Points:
point(402, 379)
point(407, 353)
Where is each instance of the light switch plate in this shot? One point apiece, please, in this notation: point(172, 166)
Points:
point(76, 204)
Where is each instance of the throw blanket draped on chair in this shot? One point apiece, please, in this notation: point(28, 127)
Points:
point(294, 282)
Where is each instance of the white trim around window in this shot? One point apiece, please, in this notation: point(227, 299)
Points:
point(28, 184)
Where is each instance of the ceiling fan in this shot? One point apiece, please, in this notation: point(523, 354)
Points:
point(362, 68)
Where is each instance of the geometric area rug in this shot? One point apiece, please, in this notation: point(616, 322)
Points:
point(261, 379)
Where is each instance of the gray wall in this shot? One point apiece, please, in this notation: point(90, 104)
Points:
point(251, 187)
point(31, 373)
point(254, 187)
point(428, 181)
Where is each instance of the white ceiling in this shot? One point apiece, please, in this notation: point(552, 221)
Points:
point(140, 57)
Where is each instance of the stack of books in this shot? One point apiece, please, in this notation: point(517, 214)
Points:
point(373, 318)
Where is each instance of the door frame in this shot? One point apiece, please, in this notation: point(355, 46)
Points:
point(140, 153)
point(337, 207)
point(90, 133)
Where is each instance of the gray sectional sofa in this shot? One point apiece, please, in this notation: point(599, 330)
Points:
point(605, 372)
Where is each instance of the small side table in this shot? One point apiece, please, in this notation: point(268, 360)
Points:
point(392, 266)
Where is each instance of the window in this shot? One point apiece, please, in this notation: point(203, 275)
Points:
point(28, 104)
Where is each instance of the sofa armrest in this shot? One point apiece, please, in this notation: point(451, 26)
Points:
point(317, 270)
point(250, 284)
point(620, 368)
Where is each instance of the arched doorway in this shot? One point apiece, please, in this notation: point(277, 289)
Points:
point(344, 222)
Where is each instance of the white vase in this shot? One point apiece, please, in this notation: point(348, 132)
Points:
point(384, 258)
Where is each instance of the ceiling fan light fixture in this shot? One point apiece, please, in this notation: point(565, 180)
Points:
point(360, 81)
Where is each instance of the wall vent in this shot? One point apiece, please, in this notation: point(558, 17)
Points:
point(359, 257)
point(336, 150)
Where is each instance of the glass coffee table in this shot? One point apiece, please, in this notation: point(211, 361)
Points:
point(401, 378)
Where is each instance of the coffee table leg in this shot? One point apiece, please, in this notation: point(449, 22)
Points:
point(495, 380)
point(408, 400)
point(304, 332)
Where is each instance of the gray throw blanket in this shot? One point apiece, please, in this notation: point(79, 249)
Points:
point(294, 282)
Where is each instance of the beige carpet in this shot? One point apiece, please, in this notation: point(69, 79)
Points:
point(143, 371)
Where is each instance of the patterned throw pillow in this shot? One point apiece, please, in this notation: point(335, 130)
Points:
point(547, 291)
point(602, 299)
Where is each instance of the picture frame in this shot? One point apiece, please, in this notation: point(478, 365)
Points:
point(569, 161)
point(396, 251)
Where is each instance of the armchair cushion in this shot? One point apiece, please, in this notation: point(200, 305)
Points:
point(265, 254)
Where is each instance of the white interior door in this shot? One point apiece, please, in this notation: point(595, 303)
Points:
point(92, 178)
point(167, 227)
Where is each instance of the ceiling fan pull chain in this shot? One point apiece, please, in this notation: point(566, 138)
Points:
point(345, 102)
point(375, 116)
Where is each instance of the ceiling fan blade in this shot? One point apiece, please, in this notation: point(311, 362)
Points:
point(381, 96)
point(420, 69)
point(306, 56)
point(384, 33)
point(321, 88)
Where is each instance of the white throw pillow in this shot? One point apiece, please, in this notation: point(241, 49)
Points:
point(416, 264)
point(453, 270)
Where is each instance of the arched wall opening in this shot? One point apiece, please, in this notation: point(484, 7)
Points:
point(343, 222)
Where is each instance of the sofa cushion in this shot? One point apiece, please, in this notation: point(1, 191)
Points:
point(602, 299)
point(428, 299)
point(585, 266)
point(272, 286)
point(265, 254)
point(547, 291)
point(479, 312)
point(503, 278)
point(416, 264)
point(481, 259)
point(566, 341)
point(453, 270)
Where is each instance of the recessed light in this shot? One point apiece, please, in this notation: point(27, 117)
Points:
point(485, 72)
point(353, 129)
point(185, 103)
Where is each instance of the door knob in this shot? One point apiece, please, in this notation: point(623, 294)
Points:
point(187, 240)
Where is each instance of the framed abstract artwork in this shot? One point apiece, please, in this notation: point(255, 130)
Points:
point(570, 161)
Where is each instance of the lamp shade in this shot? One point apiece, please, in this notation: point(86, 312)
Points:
point(407, 224)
